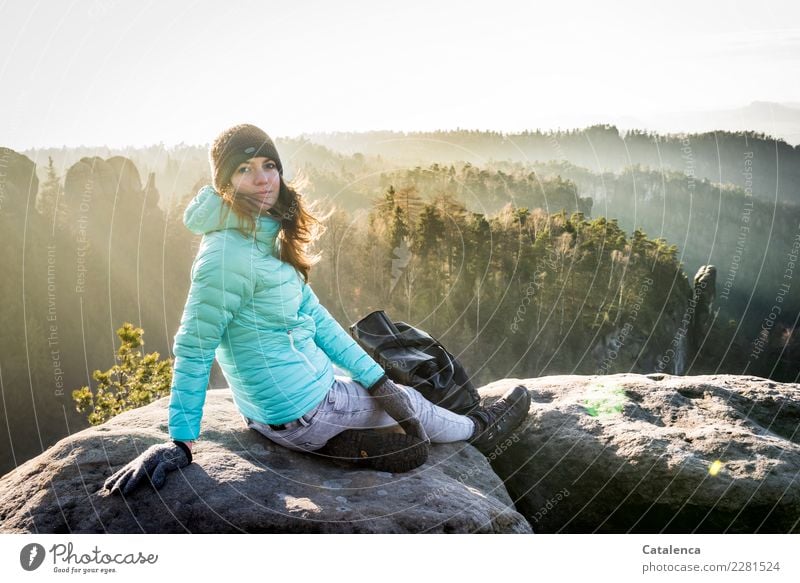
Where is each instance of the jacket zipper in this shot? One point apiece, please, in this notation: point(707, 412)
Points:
point(291, 343)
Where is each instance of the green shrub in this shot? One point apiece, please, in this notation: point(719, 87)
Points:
point(136, 380)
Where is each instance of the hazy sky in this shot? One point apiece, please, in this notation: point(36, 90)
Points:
point(132, 73)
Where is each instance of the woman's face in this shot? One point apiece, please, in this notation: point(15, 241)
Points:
point(258, 179)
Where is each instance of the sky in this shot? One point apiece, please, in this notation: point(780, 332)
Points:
point(93, 72)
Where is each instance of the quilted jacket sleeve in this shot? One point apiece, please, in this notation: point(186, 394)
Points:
point(340, 347)
point(221, 286)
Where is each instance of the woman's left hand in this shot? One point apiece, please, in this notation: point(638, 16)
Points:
point(397, 404)
point(154, 463)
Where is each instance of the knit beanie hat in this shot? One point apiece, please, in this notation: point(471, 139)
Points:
point(236, 145)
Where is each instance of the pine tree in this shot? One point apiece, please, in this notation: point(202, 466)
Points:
point(51, 203)
point(136, 380)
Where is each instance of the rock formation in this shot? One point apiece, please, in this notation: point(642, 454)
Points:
point(615, 453)
point(71, 281)
point(241, 482)
point(656, 453)
point(703, 304)
point(19, 184)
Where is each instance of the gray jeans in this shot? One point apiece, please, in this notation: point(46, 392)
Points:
point(348, 405)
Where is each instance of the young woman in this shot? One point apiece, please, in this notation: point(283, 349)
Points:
point(251, 306)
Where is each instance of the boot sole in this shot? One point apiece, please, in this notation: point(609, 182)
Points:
point(377, 450)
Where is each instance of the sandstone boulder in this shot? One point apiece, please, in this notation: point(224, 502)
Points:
point(241, 482)
point(615, 453)
point(655, 453)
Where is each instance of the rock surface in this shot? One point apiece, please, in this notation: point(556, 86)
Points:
point(614, 453)
point(655, 453)
point(19, 184)
point(241, 482)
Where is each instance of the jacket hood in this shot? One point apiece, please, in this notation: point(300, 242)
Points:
point(207, 212)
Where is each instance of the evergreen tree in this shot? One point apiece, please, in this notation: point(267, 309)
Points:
point(136, 380)
point(50, 202)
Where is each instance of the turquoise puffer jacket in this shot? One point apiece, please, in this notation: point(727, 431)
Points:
point(274, 341)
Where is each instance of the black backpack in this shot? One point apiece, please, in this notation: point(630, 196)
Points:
point(413, 358)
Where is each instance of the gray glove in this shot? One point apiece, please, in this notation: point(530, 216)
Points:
point(397, 404)
point(154, 463)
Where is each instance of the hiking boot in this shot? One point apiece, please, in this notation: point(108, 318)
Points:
point(496, 422)
point(377, 450)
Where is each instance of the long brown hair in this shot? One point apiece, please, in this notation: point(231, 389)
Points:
point(300, 228)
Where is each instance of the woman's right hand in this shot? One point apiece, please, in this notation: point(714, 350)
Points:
point(153, 463)
point(398, 406)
